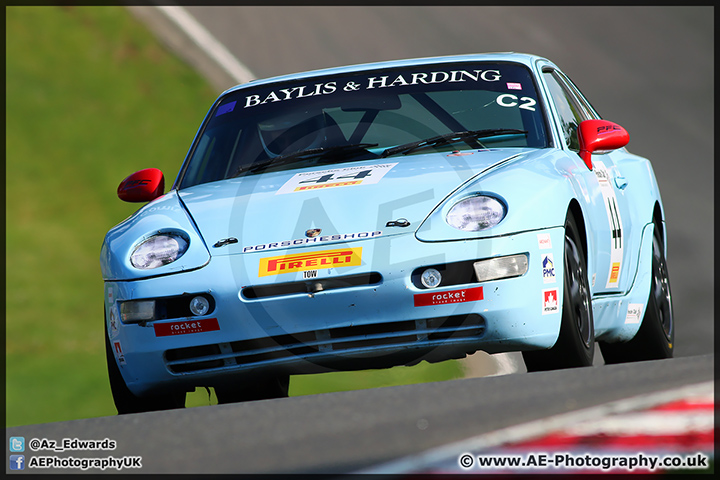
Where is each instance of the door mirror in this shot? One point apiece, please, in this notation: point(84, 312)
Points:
point(600, 136)
point(142, 186)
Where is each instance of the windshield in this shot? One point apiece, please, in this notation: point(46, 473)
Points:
point(398, 112)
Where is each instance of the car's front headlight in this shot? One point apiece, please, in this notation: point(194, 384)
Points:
point(158, 250)
point(476, 213)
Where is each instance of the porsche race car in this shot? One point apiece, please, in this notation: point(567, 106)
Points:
point(383, 214)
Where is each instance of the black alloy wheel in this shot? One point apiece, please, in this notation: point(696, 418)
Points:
point(575, 346)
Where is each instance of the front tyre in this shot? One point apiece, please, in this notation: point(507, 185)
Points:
point(128, 402)
point(575, 346)
point(654, 340)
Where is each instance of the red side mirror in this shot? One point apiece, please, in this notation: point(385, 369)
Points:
point(142, 186)
point(600, 136)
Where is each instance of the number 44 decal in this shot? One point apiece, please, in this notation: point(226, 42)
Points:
point(336, 177)
point(330, 177)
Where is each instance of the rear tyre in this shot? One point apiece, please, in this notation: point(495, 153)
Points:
point(128, 402)
point(259, 389)
point(654, 339)
point(575, 346)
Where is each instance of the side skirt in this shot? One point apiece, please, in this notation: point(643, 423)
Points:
point(618, 317)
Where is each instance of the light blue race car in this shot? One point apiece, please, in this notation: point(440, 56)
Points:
point(384, 214)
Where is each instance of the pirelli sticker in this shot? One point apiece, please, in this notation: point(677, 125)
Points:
point(336, 177)
point(616, 229)
point(342, 257)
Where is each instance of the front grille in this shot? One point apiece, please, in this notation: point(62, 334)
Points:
point(311, 286)
point(279, 349)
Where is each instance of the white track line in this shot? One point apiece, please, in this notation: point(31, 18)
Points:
point(418, 462)
point(209, 44)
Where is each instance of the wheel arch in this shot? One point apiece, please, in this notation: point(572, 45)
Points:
point(659, 220)
point(575, 210)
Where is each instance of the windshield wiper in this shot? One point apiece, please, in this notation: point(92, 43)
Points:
point(335, 152)
point(449, 138)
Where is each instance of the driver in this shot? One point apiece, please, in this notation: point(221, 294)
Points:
point(292, 132)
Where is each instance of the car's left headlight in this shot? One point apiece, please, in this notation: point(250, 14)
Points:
point(158, 250)
point(476, 213)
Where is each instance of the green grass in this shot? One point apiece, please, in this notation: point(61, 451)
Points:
point(92, 97)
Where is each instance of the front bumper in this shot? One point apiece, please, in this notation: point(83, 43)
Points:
point(368, 314)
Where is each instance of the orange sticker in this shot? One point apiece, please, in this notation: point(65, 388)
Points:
point(614, 273)
point(344, 257)
point(328, 185)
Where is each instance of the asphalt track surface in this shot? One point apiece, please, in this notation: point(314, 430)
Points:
point(347, 431)
point(649, 69)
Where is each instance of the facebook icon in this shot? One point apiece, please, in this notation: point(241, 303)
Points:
point(17, 462)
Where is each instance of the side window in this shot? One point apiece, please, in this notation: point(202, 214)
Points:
point(570, 110)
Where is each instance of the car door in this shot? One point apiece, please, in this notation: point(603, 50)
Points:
point(609, 217)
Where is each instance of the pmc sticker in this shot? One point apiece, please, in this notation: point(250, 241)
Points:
point(336, 177)
point(548, 268)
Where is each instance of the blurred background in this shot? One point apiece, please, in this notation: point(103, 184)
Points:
point(96, 93)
